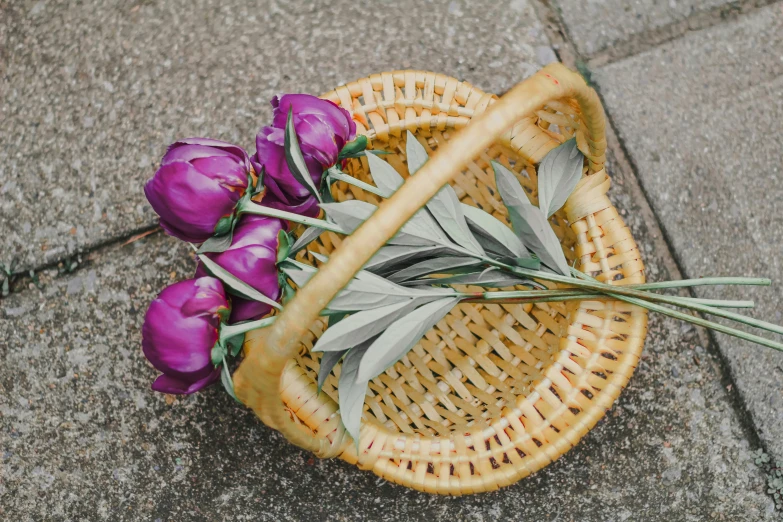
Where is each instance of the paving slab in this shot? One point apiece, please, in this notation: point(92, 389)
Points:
point(92, 92)
point(83, 437)
point(596, 25)
point(700, 118)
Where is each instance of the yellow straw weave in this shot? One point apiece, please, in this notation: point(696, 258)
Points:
point(493, 392)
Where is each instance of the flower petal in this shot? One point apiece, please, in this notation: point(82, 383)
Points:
point(169, 384)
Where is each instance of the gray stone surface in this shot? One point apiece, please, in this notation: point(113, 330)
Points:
point(595, 25)
point(83, 437)
point(92, 92)
point(701, 119)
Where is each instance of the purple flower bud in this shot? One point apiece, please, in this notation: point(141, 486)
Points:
point(199, 182)
point(323, 129)
point(180, 329)
point(252, 257)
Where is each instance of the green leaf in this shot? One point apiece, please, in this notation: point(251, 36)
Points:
point(216, 244)
point(388, 181)
point(353, 148)
point(446, 208)
point(234, 344)
point(283, 246)
point(218, 354)
point(438, 265)
point(486, 278)
point(391, 256)
point(328, 360)
point(308, 236)
point(349, 215)
point(558, 174)
point(415, 152)
point(529, 222)
point(361, 326)
point(385, 177)
point(401, 336)
point(295, 160)
point(365, 291)
point(351, 393)
point(236, 285)
point(494, 235)
point(225, 379)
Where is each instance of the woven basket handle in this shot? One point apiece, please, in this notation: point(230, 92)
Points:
point(257, 381)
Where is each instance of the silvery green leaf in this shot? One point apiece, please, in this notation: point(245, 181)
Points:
point(361, 326)
point(294, 159)
point(498, 237)
point(489, 279)
point(308, 236)
point(388, 181)
point(558, 174)
point(235, 284)
point(401, 336)
point(328, 360)
point(225, 379)
point(299, 275)
point(364, 292)
point(217, 243)
point(447, 211)
point(385, 177)
point(218, 354)
point(538, 234)
point(529, 222)
point(349, 215)
point(391, 256)
point(438, 265)
point(415, 152)
point(351, 392)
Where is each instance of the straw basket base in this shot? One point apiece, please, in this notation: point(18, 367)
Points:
point(493, 392)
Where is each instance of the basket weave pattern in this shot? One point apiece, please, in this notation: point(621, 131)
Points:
point(493, 392)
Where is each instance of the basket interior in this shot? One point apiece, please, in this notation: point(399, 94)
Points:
point(481, 357)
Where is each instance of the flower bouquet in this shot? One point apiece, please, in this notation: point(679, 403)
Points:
point(253, 220)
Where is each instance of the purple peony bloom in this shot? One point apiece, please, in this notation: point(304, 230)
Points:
point(199, 182)
point(180, 329)
point(252, 257)
point(323, 129)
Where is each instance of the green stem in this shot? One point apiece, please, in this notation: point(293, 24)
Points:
point(254, 208)
point(612, 290)
point(544, 295)
point(227, 331)
point(703, 322)
point(339, 175)
point(704, 281)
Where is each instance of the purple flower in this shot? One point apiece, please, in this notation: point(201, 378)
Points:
point(180, 329)
point(199, 182)
point(252, 257)
point(323, 129)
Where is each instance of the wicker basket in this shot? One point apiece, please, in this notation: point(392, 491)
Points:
point(493, 392)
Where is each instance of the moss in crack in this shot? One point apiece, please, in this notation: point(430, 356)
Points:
point(774, 475)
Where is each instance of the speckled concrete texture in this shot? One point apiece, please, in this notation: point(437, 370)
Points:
point(92, 92)
point(701, 119)
point(597, 26)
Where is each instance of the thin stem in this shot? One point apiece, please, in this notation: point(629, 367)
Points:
point(260, 210)
point(516, 296)
point(703, 322)
point(611, 290)
point(339, 175)
point(704, 281)
point(750, 321)
point(227, 331)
